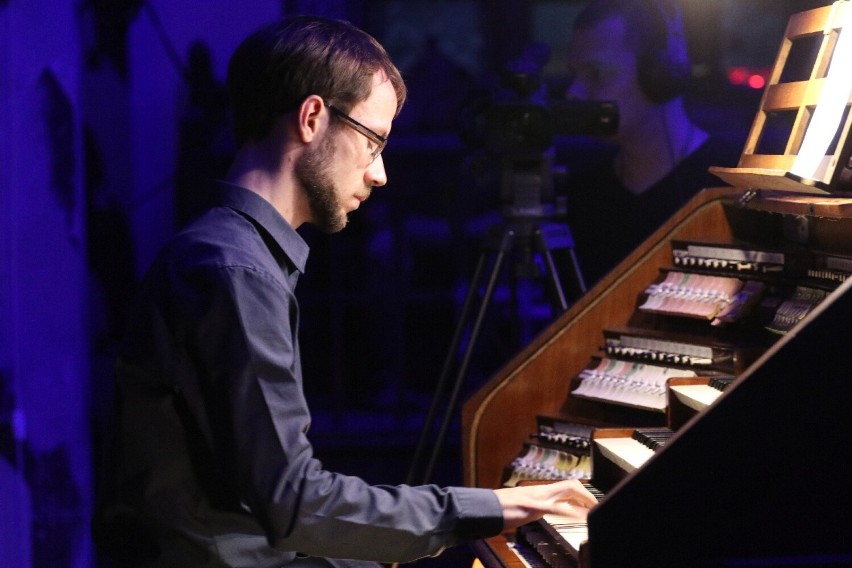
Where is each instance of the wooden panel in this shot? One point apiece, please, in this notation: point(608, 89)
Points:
point(808, 22)
point(761, 178)
point(790, 96)
point(497, 419)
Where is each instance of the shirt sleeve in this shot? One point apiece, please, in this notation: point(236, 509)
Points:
point(262, 430)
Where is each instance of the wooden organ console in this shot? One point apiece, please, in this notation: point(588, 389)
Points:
point(704, 386)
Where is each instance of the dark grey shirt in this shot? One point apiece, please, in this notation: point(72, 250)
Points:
point(213, 463)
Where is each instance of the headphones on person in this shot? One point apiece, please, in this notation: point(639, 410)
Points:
point(663, 66)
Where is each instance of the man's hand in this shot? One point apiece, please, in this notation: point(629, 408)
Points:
point(524, 504)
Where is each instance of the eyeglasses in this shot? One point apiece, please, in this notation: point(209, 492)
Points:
point(379, 141)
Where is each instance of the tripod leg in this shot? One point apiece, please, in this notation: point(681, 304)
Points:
point(554, 280)
point(504, 246)
point(578, 275)
point(445, 371)
point(474, 335)
point(561, 239)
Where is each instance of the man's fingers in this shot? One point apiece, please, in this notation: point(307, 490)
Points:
point(572, 491)
point(583, 499)
point(574, 513)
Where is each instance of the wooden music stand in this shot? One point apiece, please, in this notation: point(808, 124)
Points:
point(803, 91)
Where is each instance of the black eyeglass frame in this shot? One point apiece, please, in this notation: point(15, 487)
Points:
point(377, 139)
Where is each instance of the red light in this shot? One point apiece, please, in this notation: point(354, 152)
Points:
point(756, 81)
point(737, 75)
point(754, 78)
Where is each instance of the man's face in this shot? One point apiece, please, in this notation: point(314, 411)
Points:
point(604, 68)
point(340, 173)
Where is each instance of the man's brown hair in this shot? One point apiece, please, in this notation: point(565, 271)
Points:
point(280, 65)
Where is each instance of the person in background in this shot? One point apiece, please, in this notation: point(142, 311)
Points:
point(212, 463)
point(633, 52)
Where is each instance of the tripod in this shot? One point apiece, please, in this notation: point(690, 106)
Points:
point(530, 237)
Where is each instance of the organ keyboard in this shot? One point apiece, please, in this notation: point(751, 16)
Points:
point(555, 541)
point(627, 453)
point(702, 380)
point(699, 396)
point(696, 397)
point(726, 335)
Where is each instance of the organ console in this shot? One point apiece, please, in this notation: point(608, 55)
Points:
point(703, 387)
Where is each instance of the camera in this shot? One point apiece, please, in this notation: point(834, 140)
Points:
point(516, 130)
point(523, 127)
point(521, 119)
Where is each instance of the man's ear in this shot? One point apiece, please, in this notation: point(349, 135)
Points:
point(311, 118)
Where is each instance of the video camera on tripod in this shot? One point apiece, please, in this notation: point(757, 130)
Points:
point(517, 129)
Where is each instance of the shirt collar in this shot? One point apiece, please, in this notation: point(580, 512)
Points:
point(251, 204)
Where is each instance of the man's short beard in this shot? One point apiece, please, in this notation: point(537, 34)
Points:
point(313, 171)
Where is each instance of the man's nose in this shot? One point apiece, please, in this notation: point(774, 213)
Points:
point(376, 175)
